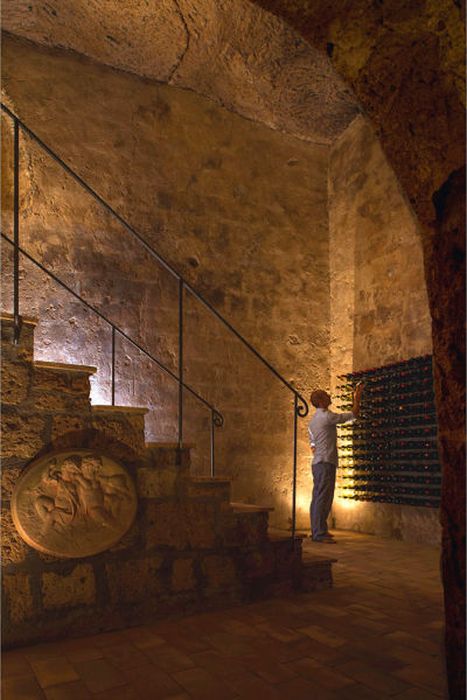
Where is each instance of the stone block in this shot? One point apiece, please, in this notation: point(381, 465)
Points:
point(62, 380)
point(55, 401)
point(208, 489)
point(228, 526)
point(23, 352)
point(14, 549)
point(130, 539)
point(69, 590)
point(168, 456)
point(220, 572)
point(164, 525)
point(16, 379)
point(135, 580)
point(316, 576)
point(18, 596)
point(287, 557)
point(180, 525)
point(183, 578)
point(63, 424)
point(155, 482)
point(252, 527)
point(22, 436)
point(9, 477)
point(128, 429)
point(258, 564)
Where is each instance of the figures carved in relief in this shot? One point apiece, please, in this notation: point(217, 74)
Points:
point(74, 503)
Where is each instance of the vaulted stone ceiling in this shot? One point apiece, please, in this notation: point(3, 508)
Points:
point(232, 51)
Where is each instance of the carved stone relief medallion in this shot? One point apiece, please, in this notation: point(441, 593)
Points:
point(73, 503)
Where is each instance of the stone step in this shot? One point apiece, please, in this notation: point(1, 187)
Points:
point(248, 523)
point(248, 508)
point(124, 424)
point(170, 445)
point(60, 386)
point(163, 455)
point(106, 409)
point(316, 572)
point(64, 367)
point(206, 487)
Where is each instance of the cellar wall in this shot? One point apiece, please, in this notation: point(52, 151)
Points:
point(239, 209)
point(379, 305)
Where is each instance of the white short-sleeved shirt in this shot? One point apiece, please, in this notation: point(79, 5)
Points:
point(323, 434)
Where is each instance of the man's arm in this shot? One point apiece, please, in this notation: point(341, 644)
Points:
point(312, 440)
point(357, 395)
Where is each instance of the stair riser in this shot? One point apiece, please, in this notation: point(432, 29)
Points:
point(127, 429)
point(217, 491)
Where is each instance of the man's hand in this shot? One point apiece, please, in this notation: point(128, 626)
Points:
point(356, 399)
point(358, 390)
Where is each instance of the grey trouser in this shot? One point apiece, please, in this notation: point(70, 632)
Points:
point(324, 481)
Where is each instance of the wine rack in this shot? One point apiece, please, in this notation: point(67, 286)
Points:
point(390, 455)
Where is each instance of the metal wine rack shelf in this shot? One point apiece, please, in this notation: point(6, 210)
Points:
point(390, 454)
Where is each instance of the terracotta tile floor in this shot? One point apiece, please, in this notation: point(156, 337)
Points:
point(376, 634)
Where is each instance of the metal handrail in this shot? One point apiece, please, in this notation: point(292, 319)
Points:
point(115, 329)
point(300, 405)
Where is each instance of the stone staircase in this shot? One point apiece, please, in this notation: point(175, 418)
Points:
point(189, 547)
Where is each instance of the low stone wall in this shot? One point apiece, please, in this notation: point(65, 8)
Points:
point(188, 548)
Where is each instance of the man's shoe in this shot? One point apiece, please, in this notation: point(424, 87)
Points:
point(324, 540)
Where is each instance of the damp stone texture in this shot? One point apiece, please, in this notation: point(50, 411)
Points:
point(187, 549)
point(379, 305)
point(239, 209)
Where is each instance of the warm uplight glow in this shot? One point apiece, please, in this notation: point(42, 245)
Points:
point(100, 392)
point(303, 504)
point(347, 503)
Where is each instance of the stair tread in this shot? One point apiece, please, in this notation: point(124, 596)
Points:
point(139, 410)
point(310, 559)
point(63, 366)
point(250, 508)
point(210, 480)
point(278, 536)
point(170, 445)
point(31, 320)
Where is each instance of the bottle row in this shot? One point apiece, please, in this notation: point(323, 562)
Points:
point(434, 479)
point(389, 432)
point(398, 500)
point(387, 378)
point(381, 488)
point(402, 410)
point(390, 466)
point(389, 424)
point(384, 445)
point(392, 455)
point(383, 387)
point(414, 363)
point(414, 396)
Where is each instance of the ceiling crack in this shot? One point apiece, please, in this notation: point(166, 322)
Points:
point(187, 44)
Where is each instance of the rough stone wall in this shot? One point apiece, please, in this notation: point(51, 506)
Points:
point(239, 209)
point(231, 51)
point(187, 549)
point(405, 61)
point(379, 304)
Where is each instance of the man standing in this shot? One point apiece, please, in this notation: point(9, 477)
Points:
point(323, 440)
